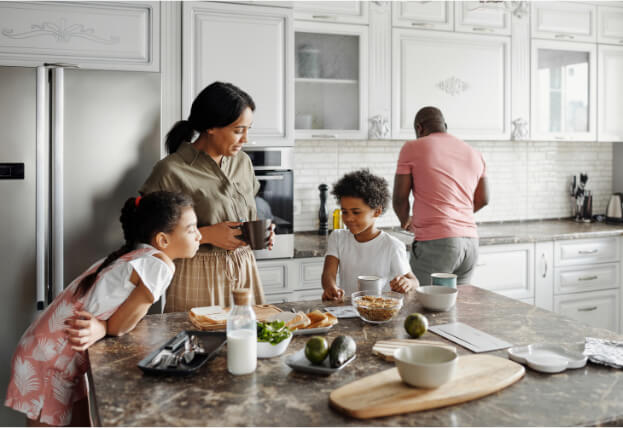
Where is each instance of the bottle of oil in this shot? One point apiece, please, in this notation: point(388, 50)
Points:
point(337, 219)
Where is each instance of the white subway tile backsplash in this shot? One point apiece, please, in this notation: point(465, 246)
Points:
point(528, 179)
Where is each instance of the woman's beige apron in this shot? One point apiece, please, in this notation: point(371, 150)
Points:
point(208, 278)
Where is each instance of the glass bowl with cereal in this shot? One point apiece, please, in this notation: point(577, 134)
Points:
point(377, 308)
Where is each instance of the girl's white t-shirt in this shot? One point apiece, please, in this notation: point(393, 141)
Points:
point(383, 256)
point(113, 285)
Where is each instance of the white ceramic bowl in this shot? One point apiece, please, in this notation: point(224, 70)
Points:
point(426, 366)
point(268, 350)
point(437, 297)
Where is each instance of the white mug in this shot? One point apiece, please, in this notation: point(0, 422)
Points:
point(370, 283)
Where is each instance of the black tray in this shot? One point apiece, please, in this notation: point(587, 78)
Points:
point(212, 342)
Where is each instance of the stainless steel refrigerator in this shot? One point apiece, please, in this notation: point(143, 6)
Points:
point(74, 145)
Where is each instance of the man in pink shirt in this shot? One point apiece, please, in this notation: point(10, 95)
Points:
point(447, 178)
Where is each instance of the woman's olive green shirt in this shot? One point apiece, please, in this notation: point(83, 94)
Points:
point(220, 193)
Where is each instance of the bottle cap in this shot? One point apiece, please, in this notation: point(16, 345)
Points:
point(242, 296)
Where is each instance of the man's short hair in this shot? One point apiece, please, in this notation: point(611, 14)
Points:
point(429, 117)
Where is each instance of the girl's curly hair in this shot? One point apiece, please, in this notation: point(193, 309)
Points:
point(372, 189)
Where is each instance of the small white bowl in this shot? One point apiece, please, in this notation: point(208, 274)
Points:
point(268, 350)
point(426, 366)
point(437, 297)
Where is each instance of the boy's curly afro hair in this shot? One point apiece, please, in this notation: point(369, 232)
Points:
point(372, 189)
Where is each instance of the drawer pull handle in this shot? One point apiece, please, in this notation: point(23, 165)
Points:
point(323, 17)
point(545, 265)
point(588, 252)
point(481, 29)
point(588, 278)
point(564, 36)
point(590, 308)
point(324, 136)
point(421, 24)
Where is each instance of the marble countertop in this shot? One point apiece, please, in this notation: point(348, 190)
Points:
point(310, 244)
point(274, 395)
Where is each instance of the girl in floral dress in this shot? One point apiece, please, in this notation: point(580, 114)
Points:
point(111, 297)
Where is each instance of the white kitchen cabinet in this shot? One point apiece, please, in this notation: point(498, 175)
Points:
point(563, 91)
point(507, 270)
point(251, 47)
point(104, 36)
point(331, 83)
point(452, 79)
point(434, 15)
point(473, 17)
point(564, 21)
point(610, 25)
point(610, 92)
point(353, 12)
point(275, 276)
point(597, 309)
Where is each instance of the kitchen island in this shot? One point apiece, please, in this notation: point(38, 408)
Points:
point(275, 395)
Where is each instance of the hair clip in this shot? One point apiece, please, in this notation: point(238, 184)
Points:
point(137, 201)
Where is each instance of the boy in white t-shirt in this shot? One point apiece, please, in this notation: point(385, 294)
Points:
point(363, 249)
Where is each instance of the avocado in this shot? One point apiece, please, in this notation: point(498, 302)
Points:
point(341, 350)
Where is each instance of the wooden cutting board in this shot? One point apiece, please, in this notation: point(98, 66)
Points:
point(262, 313)
point(385, 348)
point(384, 393)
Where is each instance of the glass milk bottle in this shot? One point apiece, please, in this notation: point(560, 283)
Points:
point(241, 335)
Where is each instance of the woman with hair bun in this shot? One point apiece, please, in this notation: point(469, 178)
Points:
point(206, 161)
point(111, 297)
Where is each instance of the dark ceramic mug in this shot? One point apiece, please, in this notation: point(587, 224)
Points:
point(256, 233)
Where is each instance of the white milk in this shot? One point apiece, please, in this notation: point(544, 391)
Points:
point(241, 351)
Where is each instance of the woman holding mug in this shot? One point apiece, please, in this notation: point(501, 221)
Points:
point(219, 177)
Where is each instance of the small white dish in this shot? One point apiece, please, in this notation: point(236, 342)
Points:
point(299, 362)
point(426, 366)
point(547, 358)
point(436, 297)
point(268, 350)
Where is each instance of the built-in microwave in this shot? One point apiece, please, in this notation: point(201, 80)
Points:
point(273, 168)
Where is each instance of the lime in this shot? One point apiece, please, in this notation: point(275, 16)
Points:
point(416, 325)
point(316, 349)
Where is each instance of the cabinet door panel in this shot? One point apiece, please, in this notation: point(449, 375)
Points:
point(597, 309)
point(610, 25)
point(216, 46)
point(452, 79)
point(472, 17)
point(506, 269)
point(274, 277)
point(108, 36)
point(610, 93)
point(563, 91)
point(585, 278)
point(437, 15)
point(354, 12)
point(311, 273)
point(563, 21)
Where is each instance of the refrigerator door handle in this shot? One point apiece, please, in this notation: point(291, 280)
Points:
point(57, 101)
point(42, 184)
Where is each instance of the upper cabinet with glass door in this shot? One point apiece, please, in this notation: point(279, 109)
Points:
point(564, 21)
point(330, 80)
point(353, 12)
point(563, 91)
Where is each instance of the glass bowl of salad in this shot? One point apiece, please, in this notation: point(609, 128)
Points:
point(273, 338)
